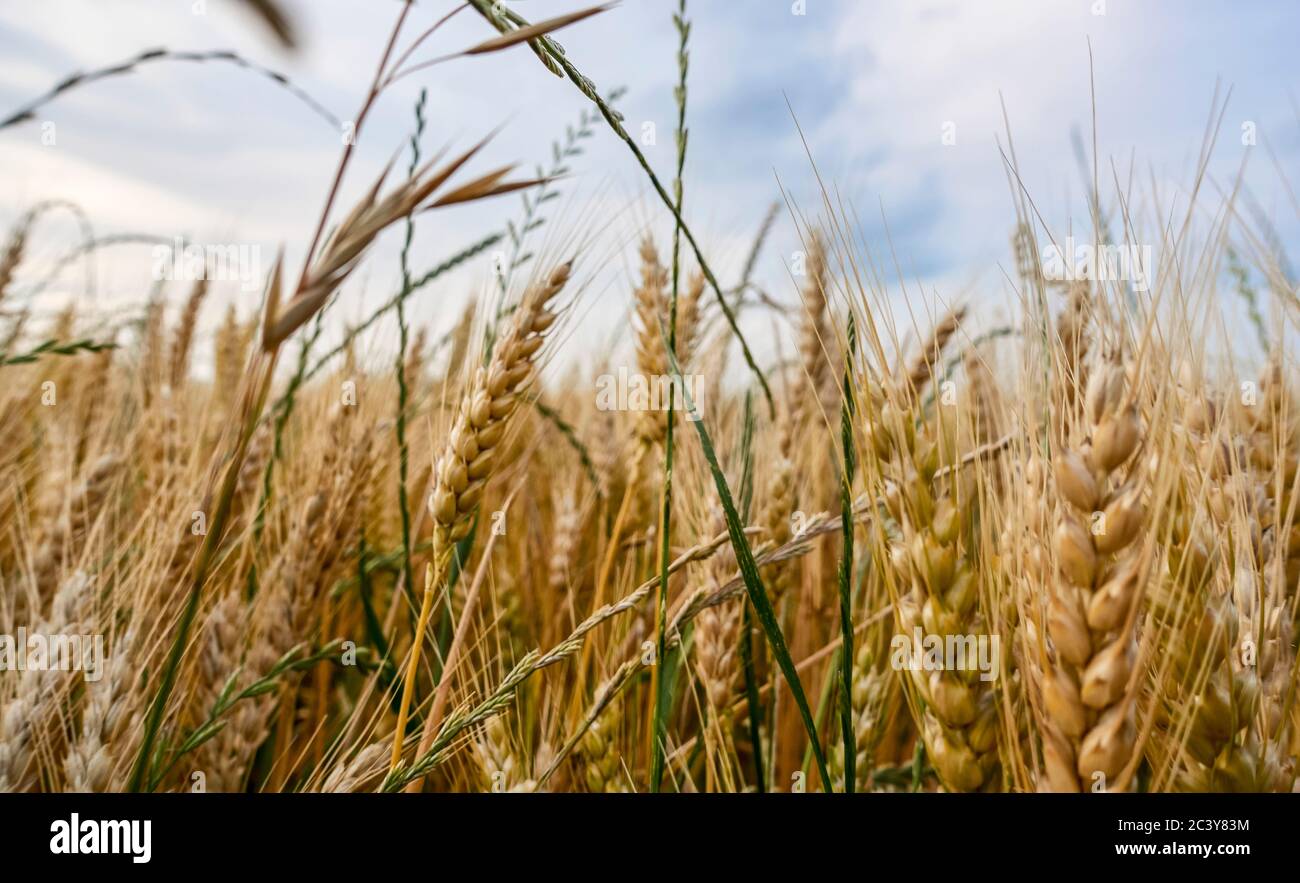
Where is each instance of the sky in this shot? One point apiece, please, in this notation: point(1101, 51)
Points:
point(901, 110)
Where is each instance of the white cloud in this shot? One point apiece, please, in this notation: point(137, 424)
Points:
point(220, 154)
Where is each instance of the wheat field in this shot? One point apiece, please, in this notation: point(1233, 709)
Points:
point(920, 551)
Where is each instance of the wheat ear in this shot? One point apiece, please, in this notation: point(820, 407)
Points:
point(938, 561)
point(230, 353)
point(599, 746)
point(1089, 731)
point(467, 460)
point(12, 255)
point(27, 717)
point(109, 725)
point(927, 361)
point(88, 499)
point(180, 355)
point(717, 630)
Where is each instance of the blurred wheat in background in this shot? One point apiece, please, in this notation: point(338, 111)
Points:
point(919, 550)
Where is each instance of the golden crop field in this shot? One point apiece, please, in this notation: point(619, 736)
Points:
point(917, 549)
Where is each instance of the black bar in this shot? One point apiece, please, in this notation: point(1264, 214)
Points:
point(366, 833)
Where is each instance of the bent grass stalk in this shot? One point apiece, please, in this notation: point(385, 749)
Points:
point(613, 119)
point(753, 582)
point(658, 688)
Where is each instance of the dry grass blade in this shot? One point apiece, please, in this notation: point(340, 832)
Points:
point(276, 19)
point(359, 229)
point(533, 31)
